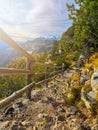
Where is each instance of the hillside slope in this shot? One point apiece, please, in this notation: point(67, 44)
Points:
point(60, 106)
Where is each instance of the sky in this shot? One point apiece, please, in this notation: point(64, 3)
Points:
point(28, 19)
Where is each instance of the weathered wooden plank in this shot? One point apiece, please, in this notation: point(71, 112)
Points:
point(40, 82)
point(47, 73)
point(17, 94)
point(6, 38)
point(28, 79)
point(11, 71)
point(63, 68)
point(58, 67)
point(38, 64)
point(39, 74)
point(14, 96)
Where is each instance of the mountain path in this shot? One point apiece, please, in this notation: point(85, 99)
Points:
point(47, 110)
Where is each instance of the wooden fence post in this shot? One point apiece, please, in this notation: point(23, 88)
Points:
point(46, 75)
point(54, 71)
point(28, 79)
point(63, 68)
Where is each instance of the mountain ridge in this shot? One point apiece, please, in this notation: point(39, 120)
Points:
point(37, 45)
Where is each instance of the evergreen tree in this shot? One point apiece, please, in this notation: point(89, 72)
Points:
point(84, 14)
point(66, 41)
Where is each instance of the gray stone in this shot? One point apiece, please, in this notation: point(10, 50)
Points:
point(94, 81)
point(48, 119)
point(85, 127)
point(8, 110)
point(61, 118)
point(83, 78)
point(47, 126)
point(14, 127)
point(5, 125)
point(11, 125)
point(25, 123)
point(77, 125)
point(71, 110)
point(74, 123)
point(85, 99)
point(19, 104)
point(91, 96)
point(1, 119)
point(95, 127)
point(60, 126)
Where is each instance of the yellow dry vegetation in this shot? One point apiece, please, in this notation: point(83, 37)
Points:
point(97, 96)
point(76, 77)
point(93, 61)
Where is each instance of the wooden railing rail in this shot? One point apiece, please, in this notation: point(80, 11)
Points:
point(11, 71)
point(28, 72)
point(15, 95)
point(18, 93)
point(6, 38)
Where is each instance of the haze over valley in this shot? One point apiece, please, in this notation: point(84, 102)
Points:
point(37, 45)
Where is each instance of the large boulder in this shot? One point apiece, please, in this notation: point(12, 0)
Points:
point(91, 96)
point(94, 81)
point(94, 85)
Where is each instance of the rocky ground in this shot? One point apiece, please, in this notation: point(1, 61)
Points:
point(47, 110)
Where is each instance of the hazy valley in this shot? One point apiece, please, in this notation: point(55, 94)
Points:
point(35, 46)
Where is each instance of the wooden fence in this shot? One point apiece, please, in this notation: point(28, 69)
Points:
point(28, 72)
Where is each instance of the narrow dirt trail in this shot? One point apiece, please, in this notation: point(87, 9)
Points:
point(46, 110)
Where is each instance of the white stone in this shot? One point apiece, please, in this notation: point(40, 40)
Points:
point(94, 81)
point(91, 96)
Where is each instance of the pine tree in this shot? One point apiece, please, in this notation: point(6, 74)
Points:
point(84, 14)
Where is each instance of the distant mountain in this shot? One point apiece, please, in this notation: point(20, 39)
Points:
point(35, 46)
point(38, 45)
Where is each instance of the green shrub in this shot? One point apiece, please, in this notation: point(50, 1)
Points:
point(76, 56)
point(91, 49)
point(10, 84)
point(76, 90)
point(80, 103)
point(61, 59)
